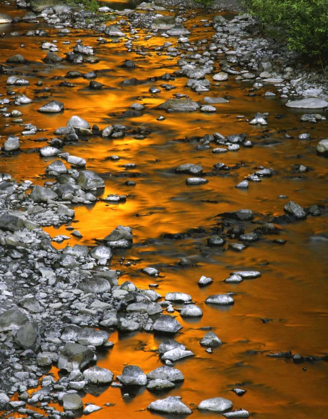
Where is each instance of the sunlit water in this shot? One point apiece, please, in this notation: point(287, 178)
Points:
point(293, 289)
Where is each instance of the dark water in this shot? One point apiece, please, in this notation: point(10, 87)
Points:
point(293, 289)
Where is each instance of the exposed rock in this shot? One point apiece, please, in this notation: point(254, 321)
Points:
point(166, 373)
point(77, 122)
point(74, 356)
point(160, 385)
point(179, 105)
point(171, 405)
point(52, 107)
point(166, 324)
point(191, 310)
point(97, 375)
point(310, 103)
point(28, 337)
point(132, 375)
point(220, 299)
point(89, 180)
point(176, 354)
point(242, 413)
point(217, 404)
point(178, 297)
point(322, 147)
point(12, 319)
point(11, 144)
point(5, 19)
point(41, 194)
point(296, 210)
point(72, 402)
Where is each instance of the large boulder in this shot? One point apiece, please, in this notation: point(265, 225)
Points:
point(132, 375)
point(41, 194)
point(74, 356)
point(12, 320)
point(72, 402)
point(89, 180)
point(97, 375)
point(166, 324)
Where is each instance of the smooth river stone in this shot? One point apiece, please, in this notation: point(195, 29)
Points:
point(217, 404)
point(311, 103)
point(171, 405)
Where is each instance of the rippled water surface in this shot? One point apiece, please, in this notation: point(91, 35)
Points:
point(293, 289)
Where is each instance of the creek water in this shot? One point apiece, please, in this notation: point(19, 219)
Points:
point(293, 289)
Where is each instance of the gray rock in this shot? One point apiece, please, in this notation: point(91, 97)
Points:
point(101, 252)
point(52, 107)
point(4, 400)
point(77, 122)
point(57, 168)
point(171, 405)
point(90, 408)
point(166, 324)
point(160, 385)
point(220, 299)
point(178, 30)
point(215, 100)
point(95, 285)
point(48, 151)
point(166, 373)
point(296, 210)
point(74, 356)
point(120, 238)
point(322, 147)
point(41, 194)
point(196, 181)
point(242, 413)
point(5, 19)
point(220, 76)
point(12, 144)
point(12, 319)
point(234, 279)
point(10, 222)
point(217, 404)
point(310, 103)
point(163, 22)
point(247, 274)
point(16, 59)
point(215, 240)
point(132, 375)
point(97, 375)
point(28, 337)
point(168, 344)
point(72, 402)
point(191, 310)
point(94, 337)
point(189, 168)
point(179, 105)
point(211, 340)
point(204, 281)
point(89, 180)
point(114, 31)
point(176, 354)
point(208, 109)
point(178, 297)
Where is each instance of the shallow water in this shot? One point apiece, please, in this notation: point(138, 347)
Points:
point(293, 289)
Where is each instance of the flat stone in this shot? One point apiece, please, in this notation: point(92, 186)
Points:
point(159, 385)
point(171, 405)
point(179, 105)
point(178, 297)
point(217, 404)
point(72, 402)
point(220, 76)
point(215, 100)
point(90, 408)
point(166, 373)
point(97, 375)
point(52, 107)
point(242, 413)
point(296, 210)
point(220, 299)
point(247, 274)
point(310, 103)
point(176, 354)
point(166, 324)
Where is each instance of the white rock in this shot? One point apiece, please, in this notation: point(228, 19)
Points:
point(217, 404)
point(310, 103)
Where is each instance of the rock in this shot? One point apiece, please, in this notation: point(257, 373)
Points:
point(114, 31)
point(217, 404)
point(97, 375)
point(178, 297)
point(52, 107)
point(101, 253)
point(179, 105)
point(176, 354)
point(150, 271)
point(12, 144)
point(242, 413)
point(89, 180)
point(204, 281)
point(191, 181)
point(296, 210)
point(160, 385)
point(242, 185)
point(132, 375)
point(72, 402)
point(220, 76)
point(77, 122)
point(242, 215)
point(215, 100)
point(4, 400)
point(74, 356)
point(120, 238)
point(215, 240)
point(90, 408)
point(57, 168)
point(5, 19)
point(28, 337)
point(76, 161)
point(192, 169)
point(48, 151)
point(208, 109)
point(171, 405)
point(94, 337)
point(220, 299)
point(9, 222)
point(322, 147)
point(239, 391)
point(210, 340)
point(163, 22)
point(166, 373)
point(178, 30)
point(310, 103)
point(166, 324)
point(95, 285)
point(191, 310)
point(12, 319)
point(233, 279)
point(52, 58)
point(41, 194)
point(247, 274)
point(16, 59)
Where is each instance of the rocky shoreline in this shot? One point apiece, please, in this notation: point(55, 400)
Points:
point(58, 307)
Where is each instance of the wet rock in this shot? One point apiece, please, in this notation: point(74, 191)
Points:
point(16, 59)
point(242, 413)
point(28, 337)
point(322, 147)
point(48, 151)
point(12, 319)
point(101, 253)
point(5, 19)
point(247, 274)
point(166, 373)
point(89, 180)
point(56, 168)
point(170, 405)
point(239, 391)
point(72, 402)
point(52, 107)
point(90, 408)
point(77, 122)
point(52, 58)
point(243, 185)
point(222, 76)
point(208, 109)
point(178, 30)
point(163, 22)
point(178, 297)
point(211, 340)
point(120, 238)
point(191, 310)
point(310, 103)
point(215, 241)
point(97, 375)
point(95, 85)
point(192, 169)
point(11, 222)
point(90, 336)
point(166, 324)
point(204, 281)
point(74, 356)
point(295, 210)
point(217, 404)
point(22, 100)
point(4, 400)
point(220, 299)
point(242, 215)
point(233, 279)
point(132, 375)
point(160, 385)
point(215, 100)
point(176, 354)
point(12, 144)
point(41, 194)
point(114, 31)
point(179, 105)
point(194, 181)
